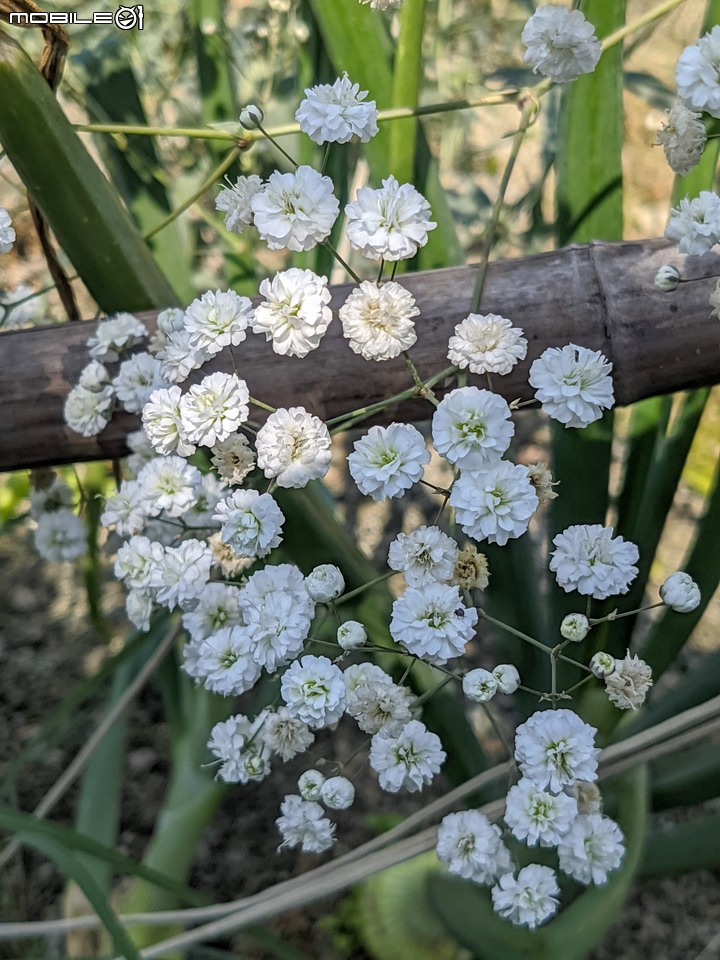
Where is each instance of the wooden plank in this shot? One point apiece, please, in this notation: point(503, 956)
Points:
point(600, 295)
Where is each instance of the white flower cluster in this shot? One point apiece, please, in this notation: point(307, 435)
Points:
point(557, 758)
point(7, 233)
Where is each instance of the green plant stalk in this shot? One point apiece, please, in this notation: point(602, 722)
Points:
point(215, 77)
point(193, 796)
point(407, 77)
point(91, 225)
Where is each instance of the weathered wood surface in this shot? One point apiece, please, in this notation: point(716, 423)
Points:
point(600, 295)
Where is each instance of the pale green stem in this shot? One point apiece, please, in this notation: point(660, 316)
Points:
point(628, 613)
point(618, 35)
point(206, 185)
point(529, 112)
point(422, 389)
point(366, 586)
point(288, 129)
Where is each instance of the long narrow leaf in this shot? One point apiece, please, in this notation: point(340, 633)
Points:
point(90, 223)
point(15, 822)
point(74, 870)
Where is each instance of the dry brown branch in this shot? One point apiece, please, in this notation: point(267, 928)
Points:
point(600, 295)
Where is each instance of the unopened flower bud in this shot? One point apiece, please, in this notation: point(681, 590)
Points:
point(310, 785)
point(506, 677)
point(255, 767)
point(171, 320)
point(471, 569)
point(351, 635)
point(667, 278)
point(479, 685)
point(575, 627)
point(588, 797)
point(251, 117)
point(680, 592)
point(337, 793)
point(325, 583)
point(602, 665)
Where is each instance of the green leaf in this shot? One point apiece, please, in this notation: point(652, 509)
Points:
point(682, 848)
point(671, 630)
point(356, 40)
point(466, 909)
point(90, 223)
point(395, 920)
point(76, 871)
point(686, 779)
point(111, 95)
point(589, 207)
point(407, 78)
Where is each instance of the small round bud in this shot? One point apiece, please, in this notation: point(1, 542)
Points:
point(602, 665)
point(324, 583)
point(310, 785)
point(506, 677)
point(479, 685)
point(667, 278)
point(575, 627)
point(351, 635)
point(255, 766)
point(171, 320)
point(680, 592)
point(337, 793)
point(251, 117)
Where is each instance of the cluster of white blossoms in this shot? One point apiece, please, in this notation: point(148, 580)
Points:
point(7, 232)
point(550, 806)
point(207, 492)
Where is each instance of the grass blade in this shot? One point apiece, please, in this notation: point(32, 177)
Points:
point(91, 225)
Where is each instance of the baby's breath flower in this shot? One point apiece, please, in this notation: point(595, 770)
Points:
point(217, 320)
point(377, 320)
point(214, 409)
point(695, 224)
point(471, 569)
point(233, 458)
point(163, 423)
point(682, 138)
point(351, 635)
point(591, 849)
point(137, 379)
point(390, 223)
point(251, 522)
point(426, 555)
point(242, 754)
point(388, 460)
point(472, 428)
point(696, 74)
point(294, 313)
point(589, 559)
point(335, 113)
point(507, 677)
point(530, 898)
point(286, 736)
point(537, 816)
point(628, 684)
point(314, 691)
point(409, 760)
point(293, 447)
point(495, 505)
point(472, 847)
point(115, 335)
point(234, 200)
point(432, 622)
point(487, 344)
point(554, 748)
point(325, 583)
point(60, 535)
point(295, 211)
point(561, 44)
point(572, 383)
point(541, 478)
point(7, 234)
point(303, 824)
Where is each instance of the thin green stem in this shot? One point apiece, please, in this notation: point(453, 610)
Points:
point(263, 406)
point(628, 613)
point(268, 136)
point(618, 35)
point(205, 185)
point(515, 633)
point(529, 112)
point(579, 684)
point(288, 129)
point(422, 389)
point(343, 263)
point(366, 586)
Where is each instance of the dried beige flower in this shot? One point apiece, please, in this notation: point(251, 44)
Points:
point(471, 569)
point(628, 684)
